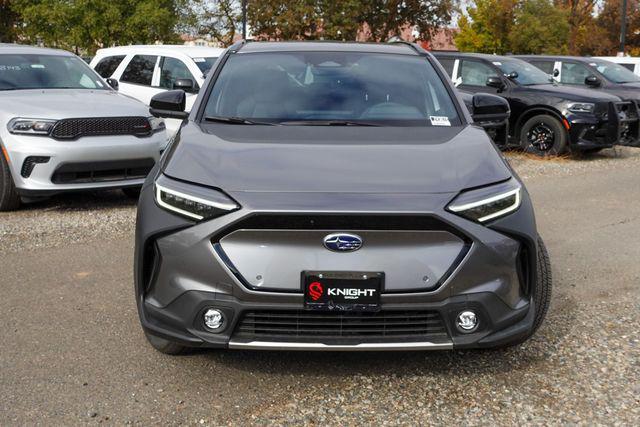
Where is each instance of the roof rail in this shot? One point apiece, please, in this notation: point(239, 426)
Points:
point(416, 47)
point(238, 45)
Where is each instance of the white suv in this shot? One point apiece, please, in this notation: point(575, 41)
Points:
point(62, 128)
point(144, 71)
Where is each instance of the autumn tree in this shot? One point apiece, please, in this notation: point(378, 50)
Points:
point(609, 21)
point(220, 19)
point(539, 27)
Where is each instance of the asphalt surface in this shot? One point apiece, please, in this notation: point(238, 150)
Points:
point(72, 352)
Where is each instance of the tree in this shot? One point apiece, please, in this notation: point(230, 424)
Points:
point(609, 21)
point(345, 19)
point(390, 17)
point(581, 23)
point(539, 28)
point(8, 22)
point(488, 27)
point(90, 24)
point(220, 19)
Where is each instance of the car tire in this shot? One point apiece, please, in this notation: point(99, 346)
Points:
point(543, 135)
point(9, 198)
point(132, 192)
point(165, 346)
point(541, 294)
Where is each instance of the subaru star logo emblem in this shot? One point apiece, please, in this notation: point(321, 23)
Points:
point(343, 242)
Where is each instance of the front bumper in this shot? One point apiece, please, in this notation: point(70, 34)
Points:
point(615, 123)
point(179, 275)
point(89, 163)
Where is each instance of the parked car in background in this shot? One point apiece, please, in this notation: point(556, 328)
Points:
point(335, 196)
point(62, 128)
point(631, 63)
point(546, 118)
point(146, 70)
point(601, 75)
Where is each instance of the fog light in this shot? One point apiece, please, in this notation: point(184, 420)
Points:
point(467, 321)
point(213, 318)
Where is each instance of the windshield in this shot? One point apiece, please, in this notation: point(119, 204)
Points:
point(615, 72)
point(205, 64)
point(46, 72)
point(331, 88)
point(527, 74)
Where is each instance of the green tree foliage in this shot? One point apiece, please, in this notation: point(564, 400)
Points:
point(220, 19)
point(86, 25)
point(488, 27)
point(8, 22)
point(539, 28)
point(344, 19)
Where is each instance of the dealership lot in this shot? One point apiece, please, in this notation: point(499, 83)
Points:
point(73, 352)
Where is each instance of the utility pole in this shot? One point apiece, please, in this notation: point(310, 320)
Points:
point(623, 28)
point(244, 19)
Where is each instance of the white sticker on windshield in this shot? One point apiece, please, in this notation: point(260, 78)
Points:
point(439, 121)
point(199, 60)
point(497, 63)
point(37, 66)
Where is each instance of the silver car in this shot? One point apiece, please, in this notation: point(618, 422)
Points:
point(63, 128)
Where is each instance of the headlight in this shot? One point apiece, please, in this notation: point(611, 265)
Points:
point(31, 126)
point(192, 201)
point(488, 203)
point(581, 107)
point(157, 124)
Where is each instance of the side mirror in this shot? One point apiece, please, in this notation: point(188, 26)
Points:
point(169, 105)
point(489, 108)
point(496, 82)
point(592, 81)
point(556, 72)
point(513, 75)
point(186, 85)
point(113, 83)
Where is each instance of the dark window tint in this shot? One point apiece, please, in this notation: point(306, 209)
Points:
point(140, 70)
point(205, 64)
point(106, 66)
point(447, 64)
point(574, 73)
point(546, 66)
point(475, 73)
point(172, 70)
point(629, 67)
point(400, 90)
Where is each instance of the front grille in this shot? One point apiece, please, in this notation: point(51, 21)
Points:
point(79, 173)
point(315, 326)
point(101, 126)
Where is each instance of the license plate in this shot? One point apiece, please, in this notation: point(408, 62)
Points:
point(339, 290)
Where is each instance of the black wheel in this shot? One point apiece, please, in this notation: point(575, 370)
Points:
point(166, 346)
point(543, 135)
point(9, 198)
point(132, 192)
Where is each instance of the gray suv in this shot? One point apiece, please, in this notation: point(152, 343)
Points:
point(335, 196)
point(63, 128)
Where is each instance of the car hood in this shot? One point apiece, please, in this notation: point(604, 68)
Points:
point(67, 103)
point(572, 93)
point(238, 158)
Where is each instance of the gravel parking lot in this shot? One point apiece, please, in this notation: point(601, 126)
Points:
point(72, 351)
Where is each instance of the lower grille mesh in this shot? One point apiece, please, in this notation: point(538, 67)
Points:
point(308, 325)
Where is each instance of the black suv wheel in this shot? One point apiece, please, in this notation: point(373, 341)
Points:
point(9, 199)
point(543, 135)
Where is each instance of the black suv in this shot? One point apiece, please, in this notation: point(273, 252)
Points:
point(597, 74)
point(546, 118)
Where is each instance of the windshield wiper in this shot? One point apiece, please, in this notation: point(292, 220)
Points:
point(327, 123)
point(237, 121)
